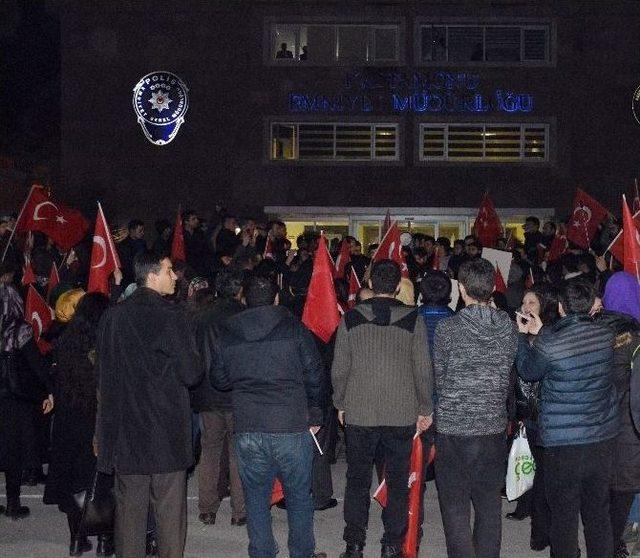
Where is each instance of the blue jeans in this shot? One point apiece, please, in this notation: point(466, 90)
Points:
point(261, 458)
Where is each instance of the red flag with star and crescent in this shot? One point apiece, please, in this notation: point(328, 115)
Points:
point(38, 313)
point(54, 279)
point(391, 249)
point(104, 257)
point(617, 245)
point(587, 215)
point(631, 241)
point(344, 258)
point(487, 226)
point(66, 226)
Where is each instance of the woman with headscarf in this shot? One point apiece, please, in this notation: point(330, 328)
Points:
point(73, 464)
point(18, 445)
point(621, 313)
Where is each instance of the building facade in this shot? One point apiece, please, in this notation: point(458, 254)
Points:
point(350, 107)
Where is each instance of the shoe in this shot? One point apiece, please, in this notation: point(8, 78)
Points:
point(207, 518)
point(332, 503)
point(391, 551)
point(538, 546)
point(16, 511)
point(514, 516)
point(621, 551)
point(282, 504)
point(239, 522)
point(152, 545)
point(106, 546)
point(353, 551)
point(79, 546)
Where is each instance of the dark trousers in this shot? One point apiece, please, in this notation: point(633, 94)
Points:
point(362, 443)
point(577, 483)
point(217, 426)
point(321, 477)
point(540, 512)
point(471, 470)
point(12, 479)
point(619, 508)
point(167, 494)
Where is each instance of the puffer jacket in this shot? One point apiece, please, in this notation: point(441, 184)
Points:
point(626, 461)
point(573, 360)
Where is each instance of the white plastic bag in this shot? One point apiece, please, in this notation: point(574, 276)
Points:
point(521, 467)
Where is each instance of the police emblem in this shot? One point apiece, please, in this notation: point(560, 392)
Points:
point(160, 101)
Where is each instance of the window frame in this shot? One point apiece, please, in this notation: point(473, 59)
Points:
point(544, 24)
point(421, 159)
point(396, 160)
point(371, 24)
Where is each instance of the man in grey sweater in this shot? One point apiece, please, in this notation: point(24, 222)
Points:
point(472, 358)
point(383, 384)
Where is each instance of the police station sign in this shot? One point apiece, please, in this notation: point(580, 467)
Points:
point(417, 92)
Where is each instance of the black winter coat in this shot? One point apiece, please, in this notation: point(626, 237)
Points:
point(273, 365)
point(209, 324)
point(626, 461)
point(147, 360)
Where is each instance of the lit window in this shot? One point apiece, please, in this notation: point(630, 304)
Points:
point(494, 44)
point(484, 142)
point(333, 141)
point(324, 44)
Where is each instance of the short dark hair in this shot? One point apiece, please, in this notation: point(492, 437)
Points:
point(260, 291)
point(229, 282)
point(576, 296)
point(419, 253)
point(428, 238)
point(385, 277)
point(533, 219)
point(478, 278)
point(134, 224)
point(144, 263)
point(435, 288)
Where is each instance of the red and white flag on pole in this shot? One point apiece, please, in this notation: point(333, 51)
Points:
point(386, 224)
point(178, 252)
point(354, 287)
point(104, 257)
point(38, 313)
point(344, 258)
point(66, 226)
point(616, 248)
point(487, 226)
point(587, 215)
point(28, 275)
point(320, 313)
point(559, 245)
point(391, 249)
point(631, 236)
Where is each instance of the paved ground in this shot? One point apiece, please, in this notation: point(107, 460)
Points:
point(44, 534)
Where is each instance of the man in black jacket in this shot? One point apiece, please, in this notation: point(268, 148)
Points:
point(147, 360)
point(214, 405)
point(272, 363)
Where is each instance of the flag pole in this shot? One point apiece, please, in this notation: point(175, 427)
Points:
point(13, 232)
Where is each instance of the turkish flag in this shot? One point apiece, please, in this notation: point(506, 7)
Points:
point(354, 287)
point(487, 226)
point(587, 215)
point(344, 257)
point(617, 245)
point(559, 246)
point(320, 313)
point(386, 225)
point(66, 226)
point(40, 316)
point(28, 275)
point(631, 236)
point(501, 286)
point(268, 250)
point(54, 279)
point(104, 257)
point(178, 252)
point(391, 249)
point(277, 493)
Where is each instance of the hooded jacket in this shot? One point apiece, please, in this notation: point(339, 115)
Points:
point(472, 358)
point(381, 371)
point(573, 359)
point(272, 365)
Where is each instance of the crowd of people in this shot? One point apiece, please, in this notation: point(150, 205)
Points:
point(207, 361)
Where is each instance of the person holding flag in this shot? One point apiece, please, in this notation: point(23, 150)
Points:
point(382, 388)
